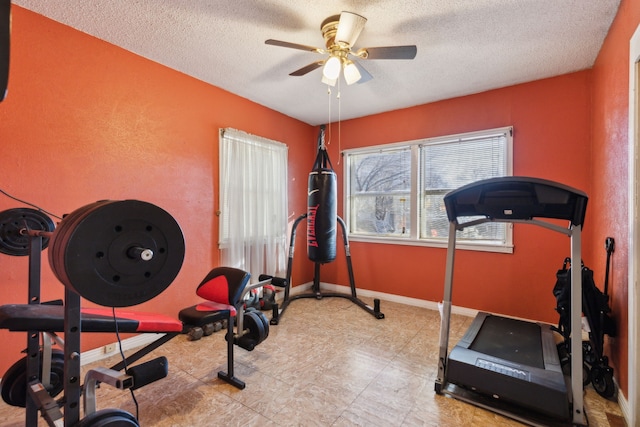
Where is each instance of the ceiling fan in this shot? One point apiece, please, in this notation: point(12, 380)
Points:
point(340, 33)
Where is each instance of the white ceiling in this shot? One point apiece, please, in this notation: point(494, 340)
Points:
point(464, 46)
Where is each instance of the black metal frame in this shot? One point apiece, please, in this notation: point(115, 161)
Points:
point(37, 398)
point(316, 292)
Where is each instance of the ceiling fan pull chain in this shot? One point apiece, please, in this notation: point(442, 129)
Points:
point(328, 135)
point(339, 123)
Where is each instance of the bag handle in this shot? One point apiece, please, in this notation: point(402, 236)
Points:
point(322, 160)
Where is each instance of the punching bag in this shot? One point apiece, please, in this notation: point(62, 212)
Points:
point(322, 209)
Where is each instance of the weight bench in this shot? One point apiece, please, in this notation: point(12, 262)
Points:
point(49, 320)
point(221, 286)
point(112, 253)
point(134, 250)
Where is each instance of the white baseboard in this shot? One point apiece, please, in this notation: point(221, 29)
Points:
point(624, 406)
point(415, 302)
point(99, 353)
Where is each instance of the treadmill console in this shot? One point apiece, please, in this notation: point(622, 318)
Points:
point(516, 198)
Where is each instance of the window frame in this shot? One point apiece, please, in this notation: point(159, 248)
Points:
point(413, 237)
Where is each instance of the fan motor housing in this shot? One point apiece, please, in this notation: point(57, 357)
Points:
point(329, 27)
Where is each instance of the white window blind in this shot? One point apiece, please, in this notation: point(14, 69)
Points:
point(447, 165)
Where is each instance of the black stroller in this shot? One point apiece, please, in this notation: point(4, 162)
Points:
point(595, 307)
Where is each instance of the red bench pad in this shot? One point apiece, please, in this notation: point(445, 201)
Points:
point(50, 318)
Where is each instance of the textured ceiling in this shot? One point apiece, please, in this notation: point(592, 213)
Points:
point(464, 46)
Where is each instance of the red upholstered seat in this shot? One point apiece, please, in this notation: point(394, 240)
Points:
point(215, 306)
point(222, 288)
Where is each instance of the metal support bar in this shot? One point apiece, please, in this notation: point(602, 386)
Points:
point(445, 316)
point(45, 403)
point(33, 337)
point(229, 376)
point(72, 388)
point(576, 327)
point(144, 351)
point(102, 375)
point(46, 359)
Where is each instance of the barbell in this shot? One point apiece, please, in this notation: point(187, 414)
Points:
point(112, 253)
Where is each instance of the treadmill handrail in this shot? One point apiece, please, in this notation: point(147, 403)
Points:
point(550, 226)
point(510, 198)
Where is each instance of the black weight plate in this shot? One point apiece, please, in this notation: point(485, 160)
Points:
point(12, 242)
point(265, 323)
point(110, 417)
point(14, 381)
point(255, 325)
point(58, 242)
point(91, 252)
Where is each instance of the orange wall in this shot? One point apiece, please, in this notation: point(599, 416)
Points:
point(551, 140)
point(85, 121)
point(610, 171)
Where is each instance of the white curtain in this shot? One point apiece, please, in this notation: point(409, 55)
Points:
point(253, 203)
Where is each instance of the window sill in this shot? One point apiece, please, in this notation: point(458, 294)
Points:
point(504, 249)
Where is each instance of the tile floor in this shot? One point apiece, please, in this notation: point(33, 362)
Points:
point(328, 363)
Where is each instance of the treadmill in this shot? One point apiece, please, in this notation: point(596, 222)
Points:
point(506, 365)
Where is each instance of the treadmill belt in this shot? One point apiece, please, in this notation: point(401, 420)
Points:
point(510, 339)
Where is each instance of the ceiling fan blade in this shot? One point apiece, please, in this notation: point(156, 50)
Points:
point(349, 28)
point(293, 46)
point(308, 68)
point(387, 52)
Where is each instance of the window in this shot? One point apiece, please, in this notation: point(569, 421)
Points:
point(394, 193)
point(253, 202)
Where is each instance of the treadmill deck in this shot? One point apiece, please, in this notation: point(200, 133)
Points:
point(512, 361)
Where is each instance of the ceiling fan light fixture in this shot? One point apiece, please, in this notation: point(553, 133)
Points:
point(330, 82)
point(340, 33)
point(351, 73)
point(349, 28)
point(331, 68)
